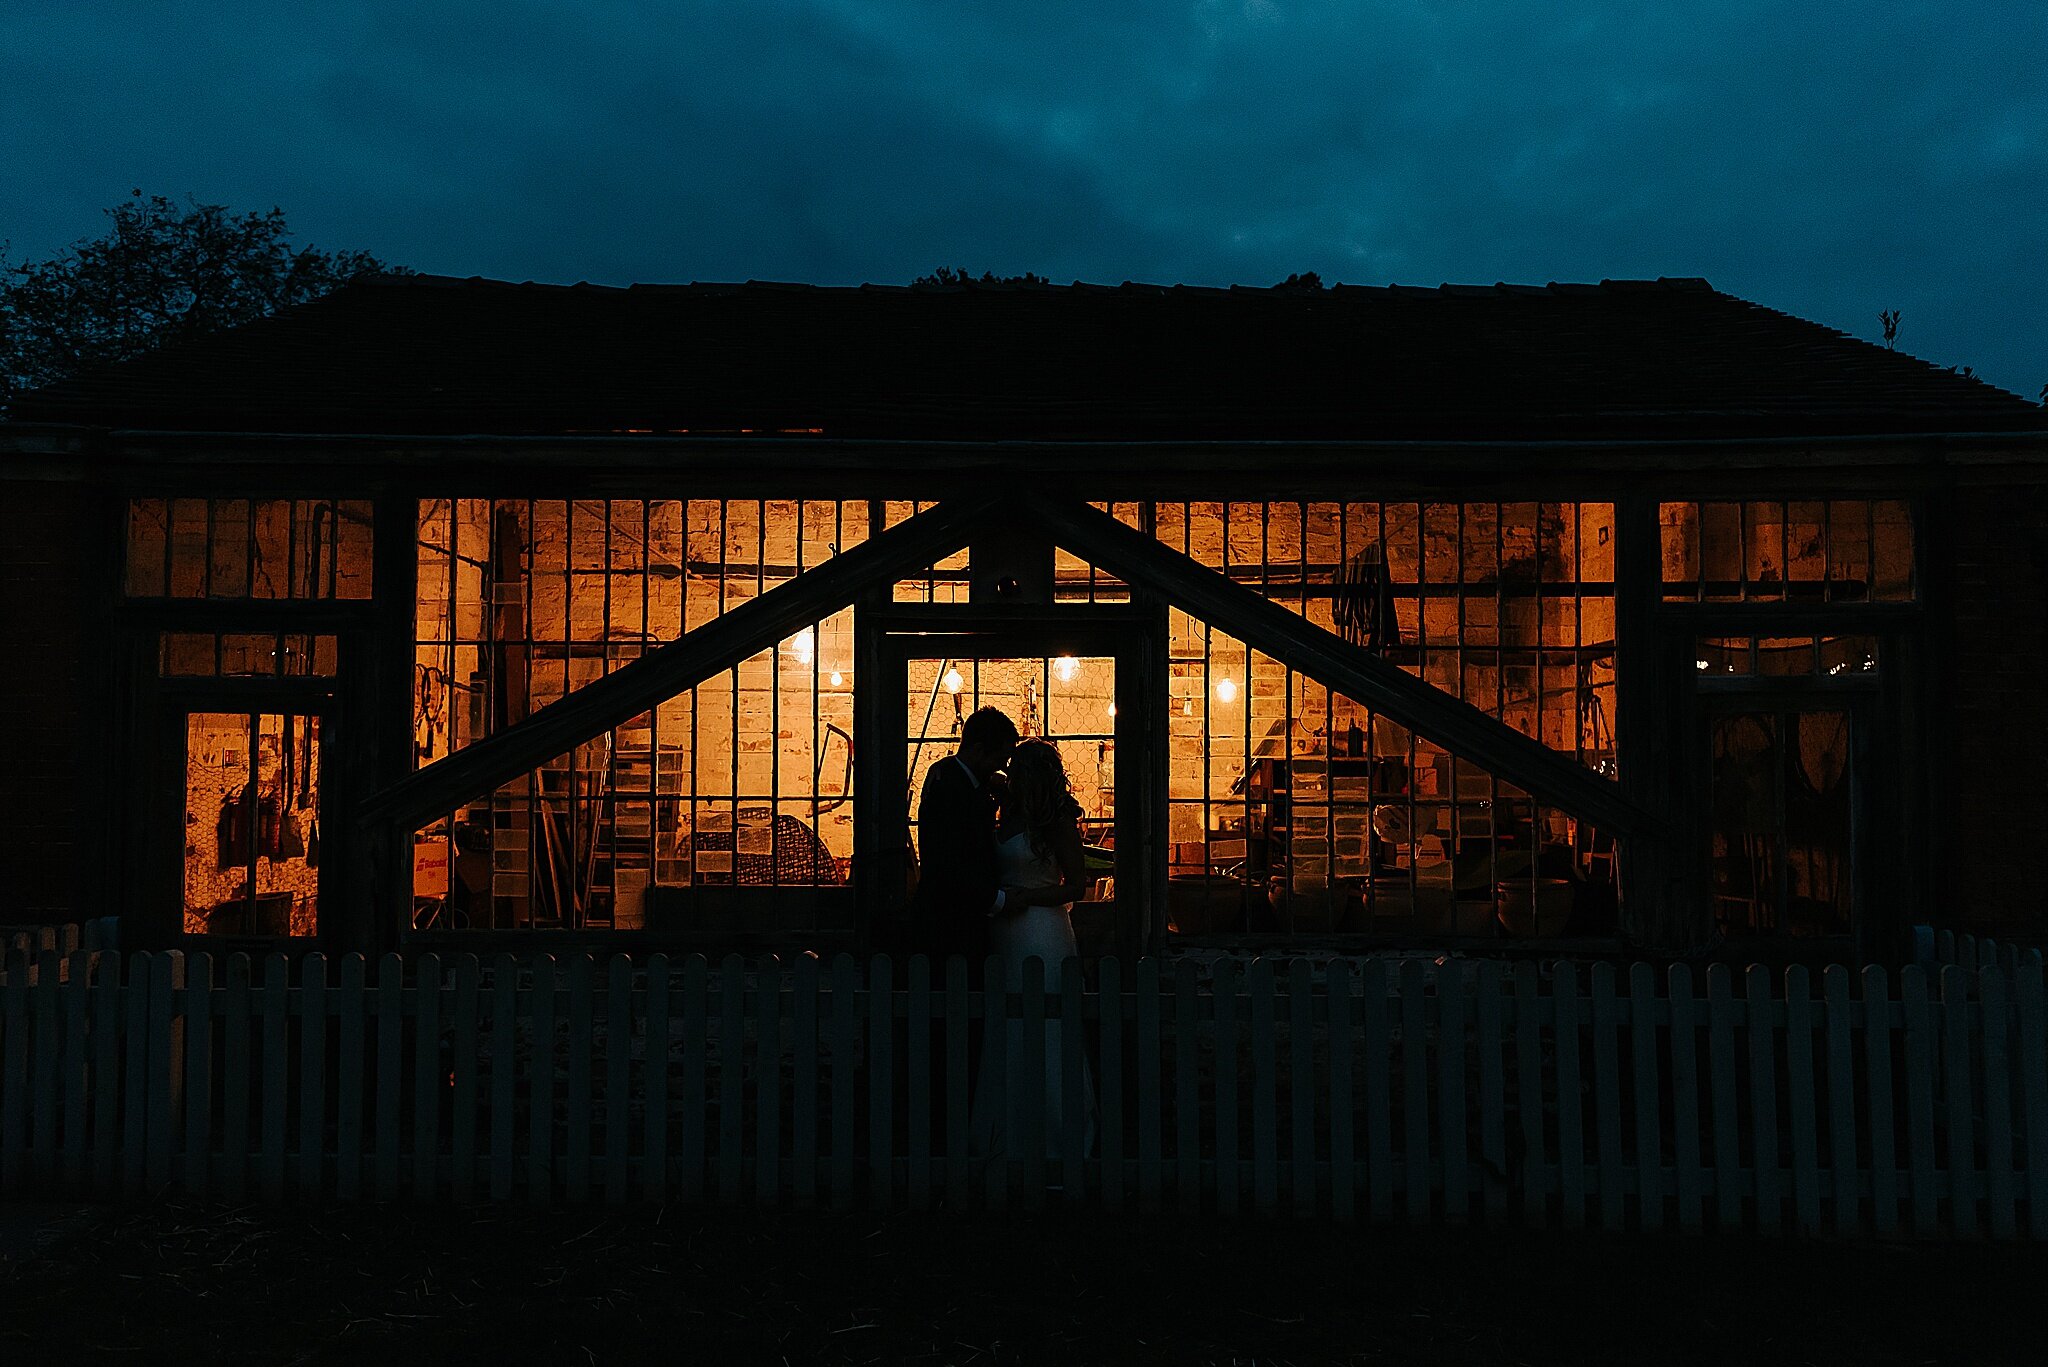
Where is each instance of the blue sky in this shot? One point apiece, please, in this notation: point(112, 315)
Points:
point(1823, 158)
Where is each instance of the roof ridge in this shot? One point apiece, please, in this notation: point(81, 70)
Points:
point(432, 280)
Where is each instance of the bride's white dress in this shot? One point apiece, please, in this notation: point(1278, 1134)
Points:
point(1045, 933)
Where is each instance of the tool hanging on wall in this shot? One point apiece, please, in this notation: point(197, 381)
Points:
point(1362, 600)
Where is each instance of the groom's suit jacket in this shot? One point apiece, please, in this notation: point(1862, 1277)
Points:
point(956, 882)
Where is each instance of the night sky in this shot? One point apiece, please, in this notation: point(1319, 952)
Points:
point(1828, 159)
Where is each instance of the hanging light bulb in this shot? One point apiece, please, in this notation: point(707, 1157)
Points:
point(838, 679)
point(1226, 690)
point(804, 646)
point(1065, 668)
point(952, 681)
point(1112, 709)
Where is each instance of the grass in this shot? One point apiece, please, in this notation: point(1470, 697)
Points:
point(176, 1281)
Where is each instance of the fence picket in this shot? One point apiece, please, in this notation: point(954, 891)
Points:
point(1301, 1071)
point(579, 973)
point(1450, 1091)
point(1415, 1162)
point(845, 1023)
point(1343, 1139)
point(197, 1074)
point(1571, 1103)
point(1151, 1117)
point(349, 1004)
point(696, 1014)
point(1801, 1120)
point(1919, 1047)
point(1998, 1150)
point(1529, 1104)
point(44, 1042)
point(77, 1085)
point(960, 1033)
point(389, 999)
point(277, 1027)
point(1955, 1075)
point(1727, 1169)
point(1683, 1038)
point(462, 1150)
point(730, 1159)
point(1110, 1049)
point(1880, 1119)
point(135, 1074)
point(166, 979)
point(106, 1080)
point(312, 1172)
point(654, 1079)
point(1076, 1101)
point(917, 1081)
point(617, 1157)
point(1030, 1089)
point(1187, 1115)
point(504, 1075)
point(881, 1032)
point(2031, 1011)
point(1607, 1093)
point(1843, 1177)
point(540, 1132)
point(1649, 1136)
point(1379, 1118)
point(14, 1090)
point(1265, 1088)
point(1492, 1098)
point(1224, 1088)
point(998, 1169)
point(1763, 1096)
point(767, 1083)
point(430, 1079)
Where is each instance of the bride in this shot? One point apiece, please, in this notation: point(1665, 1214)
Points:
point(1038, 845)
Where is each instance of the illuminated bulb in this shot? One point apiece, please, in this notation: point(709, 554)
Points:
point(1065, 667)
point(1226, 690)
point(952, 681)
point(837, 678)
point(1699, 664)
point(1112, 709)
point(804, 646)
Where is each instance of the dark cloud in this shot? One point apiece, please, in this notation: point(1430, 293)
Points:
point(1827, 159)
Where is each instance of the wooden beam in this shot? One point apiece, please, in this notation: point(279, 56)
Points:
point(1301, 645)
point(667, 670)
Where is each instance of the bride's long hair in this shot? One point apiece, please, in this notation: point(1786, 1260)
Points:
point(1040, 794)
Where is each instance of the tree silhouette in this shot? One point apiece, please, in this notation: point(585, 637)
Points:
point(948, 275)
point(161, 273)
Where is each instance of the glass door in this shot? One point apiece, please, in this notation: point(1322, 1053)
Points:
point(1073, 686)
point(1067, 700)
point(250, 807)
point(1785, 780)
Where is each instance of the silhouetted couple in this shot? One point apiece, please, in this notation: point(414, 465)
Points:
point(1000, 867)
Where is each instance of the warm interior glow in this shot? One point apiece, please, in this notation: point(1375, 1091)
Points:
point(1226, 690)
point(804, 646)
point(1064, 668)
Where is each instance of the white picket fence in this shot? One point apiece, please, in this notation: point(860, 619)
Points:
point(1442, 1090)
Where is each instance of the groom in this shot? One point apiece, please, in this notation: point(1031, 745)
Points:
point(957, 891)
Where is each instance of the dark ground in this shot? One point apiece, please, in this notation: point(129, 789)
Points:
point(182, 1282)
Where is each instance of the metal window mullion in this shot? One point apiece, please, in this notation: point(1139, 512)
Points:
point(249, 547)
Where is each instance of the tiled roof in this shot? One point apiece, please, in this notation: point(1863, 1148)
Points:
point(1618, 360)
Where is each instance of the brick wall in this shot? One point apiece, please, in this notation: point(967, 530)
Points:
point(47, 831)
point(1992, 874)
